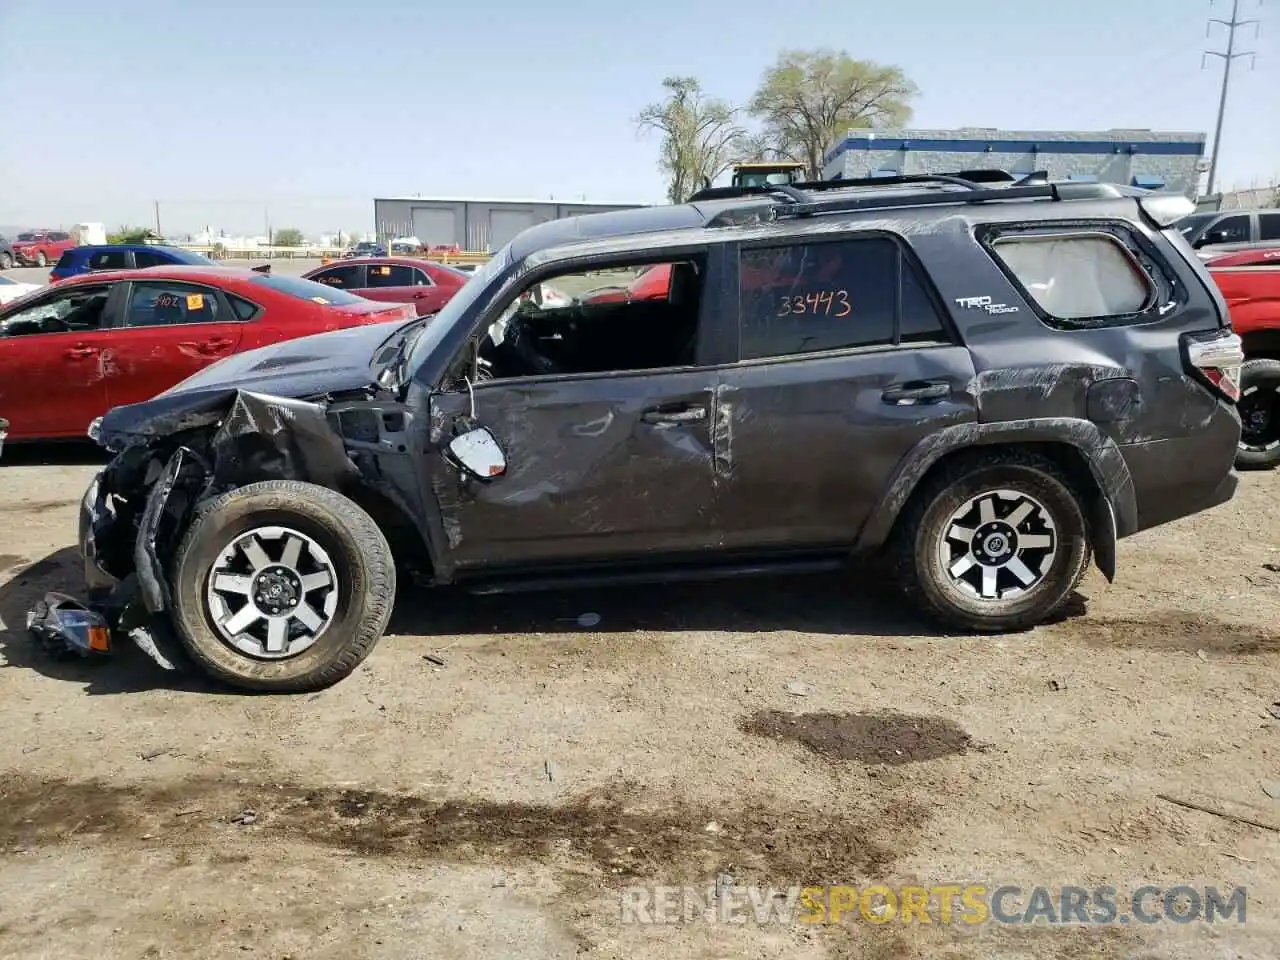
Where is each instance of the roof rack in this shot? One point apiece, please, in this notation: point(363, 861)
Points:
point(1033, 187)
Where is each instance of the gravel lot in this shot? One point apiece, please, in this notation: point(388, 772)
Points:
point(494, 803)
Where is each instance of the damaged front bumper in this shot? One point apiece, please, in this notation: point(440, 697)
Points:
point(135, 511)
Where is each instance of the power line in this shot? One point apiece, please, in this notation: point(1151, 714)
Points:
point(1228, 58)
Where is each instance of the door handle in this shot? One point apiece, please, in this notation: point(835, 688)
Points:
point(917, 391)
point(420, 296)
point(679, 415)
point(79, 353)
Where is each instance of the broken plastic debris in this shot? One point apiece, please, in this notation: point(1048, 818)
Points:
point(65, 627)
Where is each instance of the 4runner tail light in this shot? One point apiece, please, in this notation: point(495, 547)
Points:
point(1216, 358)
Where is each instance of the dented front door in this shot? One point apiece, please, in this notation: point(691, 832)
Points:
point(612, 467)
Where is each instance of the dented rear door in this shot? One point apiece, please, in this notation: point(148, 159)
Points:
point(847, 362)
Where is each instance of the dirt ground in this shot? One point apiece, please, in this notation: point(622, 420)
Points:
point(496, 802)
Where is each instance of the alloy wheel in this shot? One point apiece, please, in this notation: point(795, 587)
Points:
point(998, 545)
point(1259, 409)
point(272, 592)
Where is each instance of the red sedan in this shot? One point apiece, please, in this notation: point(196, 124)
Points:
point(426, 285)
point(653, 283)
point(99, 340)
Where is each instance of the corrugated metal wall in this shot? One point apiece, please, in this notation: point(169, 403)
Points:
point(472, 224)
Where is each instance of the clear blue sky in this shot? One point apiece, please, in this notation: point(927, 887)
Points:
point(221, 108)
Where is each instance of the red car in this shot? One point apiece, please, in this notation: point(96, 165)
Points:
point(39, 248)
point(96, 341)
point(426, 285)
point(1250, 282)
point(653, 283)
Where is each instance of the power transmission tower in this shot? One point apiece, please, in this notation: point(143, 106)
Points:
point(1228, 58)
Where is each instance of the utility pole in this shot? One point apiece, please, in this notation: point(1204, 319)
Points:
point(1229, 57)
point(158, 233)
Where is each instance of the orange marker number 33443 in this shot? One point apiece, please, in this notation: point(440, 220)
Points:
point(827, 303)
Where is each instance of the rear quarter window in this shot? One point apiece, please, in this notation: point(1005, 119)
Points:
point(1084, 276)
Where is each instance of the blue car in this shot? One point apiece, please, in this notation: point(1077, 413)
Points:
point(123, 256)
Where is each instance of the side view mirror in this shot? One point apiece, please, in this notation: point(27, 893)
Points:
point(477, 452)
point(1213, 236)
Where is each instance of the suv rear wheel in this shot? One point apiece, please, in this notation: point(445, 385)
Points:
point(1259, 407)
point(995, 542)
point(41, 259)
point(6, 261)
point(282, 586)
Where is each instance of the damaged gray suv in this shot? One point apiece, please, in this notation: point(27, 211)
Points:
point(987, 385)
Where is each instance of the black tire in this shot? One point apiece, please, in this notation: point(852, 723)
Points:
point(921, 556)
point(359, 552)
point(41, 259)
point(6, 261)
point(1259, 407)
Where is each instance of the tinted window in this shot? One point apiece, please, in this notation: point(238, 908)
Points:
point(307, 290)
point(1077, 277)
point(149, 258)
point(820, 296)
point(420, 278)
point(918, 320)
point(389, 275)
point(59, 236)
point(69, 310)
point(1229, 230)
point(344, 278)
point(163, 303)
point(244, 310)
point(1269, 226)
point(106, 260)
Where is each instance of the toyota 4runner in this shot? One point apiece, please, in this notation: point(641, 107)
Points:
point(985, 385)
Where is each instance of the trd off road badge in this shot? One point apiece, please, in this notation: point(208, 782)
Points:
point(984, 303)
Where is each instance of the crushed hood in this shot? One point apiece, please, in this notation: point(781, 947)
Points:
point(307, 367)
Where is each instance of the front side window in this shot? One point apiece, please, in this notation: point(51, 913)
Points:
point(562, 325)
point(1077, 277)
point(1269, 226)
point(389, 275)
point(817, 297)
point(1229, 230)
point(75, 310)
point(163, 304)
point(341, 278)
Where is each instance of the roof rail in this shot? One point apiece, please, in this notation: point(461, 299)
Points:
point(916, 198)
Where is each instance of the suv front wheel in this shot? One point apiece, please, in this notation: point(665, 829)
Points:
point(992, 543)
point(282, 586)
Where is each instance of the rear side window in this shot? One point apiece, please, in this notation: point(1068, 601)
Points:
point(390, 275)
point(1077, 276)
point(149, 258)
point(106, 260)
point(1234, 229)
point(162, 304)
point(1269, 226)
point(807, 298)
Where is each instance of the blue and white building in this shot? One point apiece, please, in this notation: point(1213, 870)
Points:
point(1153, 159)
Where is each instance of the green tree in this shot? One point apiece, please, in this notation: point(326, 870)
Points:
point(809, 98)
point(288, 237)
point(699, 135)
point(130, 235)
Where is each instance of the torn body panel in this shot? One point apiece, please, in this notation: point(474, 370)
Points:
point(595, 468)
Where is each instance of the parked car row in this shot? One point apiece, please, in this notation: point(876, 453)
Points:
point(73, 350)
point(36, 248)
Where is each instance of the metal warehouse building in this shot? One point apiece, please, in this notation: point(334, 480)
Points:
point(1143, 158)
point(479, 225)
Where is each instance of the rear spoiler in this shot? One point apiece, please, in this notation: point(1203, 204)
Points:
point(261, 268)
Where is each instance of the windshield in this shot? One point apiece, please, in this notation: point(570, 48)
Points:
point(452, 312)
point(28, 236)
point(309, 290)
